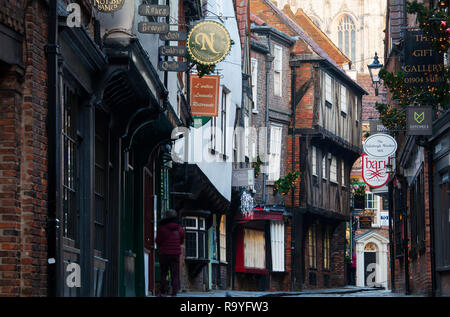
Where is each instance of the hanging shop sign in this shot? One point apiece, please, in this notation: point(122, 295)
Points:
point(365, 222)
point(153, 27)
point(374, 171)
point(174, 36)
point(419, 121)
point(380, 145)
point(423, 66)
point(108, 5)
point(170, 66)
point(172, 50)
point(204, 95)
point(151, 10)
point(376, 126)
point(208, 42)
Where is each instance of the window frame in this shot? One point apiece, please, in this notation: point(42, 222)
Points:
point(254, 63)
point(278, 70)
point(201, 236)
point(275, 152)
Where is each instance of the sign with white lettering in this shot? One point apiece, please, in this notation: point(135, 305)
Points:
point(153, 27)
point(374, 171)
point(172, 50)
point(154, 10)
point(173, 36)
point(380, 145)
point(419, 121)
point(169, 66)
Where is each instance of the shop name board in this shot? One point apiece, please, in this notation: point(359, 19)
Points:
point(419, 121)
point(174, 36)
point(374, 171)
point(172, 50)
point(423, 65)
point(205, 95)
point(365, 222)
point(170, 66)
point(208, 42)
point(154, 10)
point(153, 27)
point(380, 145)
point(108, 5)
point(243, 177)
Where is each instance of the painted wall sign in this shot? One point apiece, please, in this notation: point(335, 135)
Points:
point(154, 10)
point(380, 145)
point(205, 95)
point(153, 27)
point(423, 65)
point(174, 36)
point(172, 50)
point(419, 121)
point(170, 66)
point(108, 5)
point(208, 42)
point(374, 170)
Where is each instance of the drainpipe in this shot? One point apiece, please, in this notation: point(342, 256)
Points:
point(55, 258)
point(391, 236)
point(294, 106)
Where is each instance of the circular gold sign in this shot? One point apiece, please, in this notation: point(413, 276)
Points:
point(108, 5)
point(208, 42)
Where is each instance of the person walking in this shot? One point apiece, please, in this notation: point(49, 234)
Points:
point(169, 238)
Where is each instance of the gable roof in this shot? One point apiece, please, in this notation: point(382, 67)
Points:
point(317, 34)
point(316, 48)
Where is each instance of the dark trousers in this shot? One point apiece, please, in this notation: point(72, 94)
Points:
point(171, 262)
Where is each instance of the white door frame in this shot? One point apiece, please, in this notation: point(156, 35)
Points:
point(381, 257)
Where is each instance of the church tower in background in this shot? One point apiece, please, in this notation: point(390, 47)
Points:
point(355, 26)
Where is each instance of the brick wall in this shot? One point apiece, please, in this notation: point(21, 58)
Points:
point(23, 160)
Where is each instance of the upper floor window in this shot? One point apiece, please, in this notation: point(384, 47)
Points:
point(314, 161)
point(277, 67)
point(344, 100)
point(347, 37)
point(255, 84)
point(275, 152)
point(328, 93)
point(333, 170)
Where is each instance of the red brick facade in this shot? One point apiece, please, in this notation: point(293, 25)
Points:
point(23, 157)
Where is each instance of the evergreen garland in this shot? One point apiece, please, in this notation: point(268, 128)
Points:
point(286, 183)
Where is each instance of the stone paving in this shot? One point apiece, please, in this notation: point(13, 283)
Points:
point(347, 291)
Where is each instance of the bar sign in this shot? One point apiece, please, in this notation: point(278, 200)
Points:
point(153, 27)
point(154, 10)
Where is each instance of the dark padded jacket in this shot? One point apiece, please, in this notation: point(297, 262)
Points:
point(170, 236)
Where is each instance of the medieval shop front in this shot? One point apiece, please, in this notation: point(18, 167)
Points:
point(260, 238)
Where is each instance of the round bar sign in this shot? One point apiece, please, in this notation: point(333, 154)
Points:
point(208, 42)
point(380, 145)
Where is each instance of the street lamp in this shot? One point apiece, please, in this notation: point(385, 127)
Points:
point(374, 70)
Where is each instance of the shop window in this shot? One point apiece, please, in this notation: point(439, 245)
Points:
point(195, 237)
point(417, 212)
point(254, 249)
point(312, 247)
point(277, 245)
point(70, 166)
point(223, 238)
point(326, 248)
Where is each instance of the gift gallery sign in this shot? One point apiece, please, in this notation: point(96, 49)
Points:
point(374, 171)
